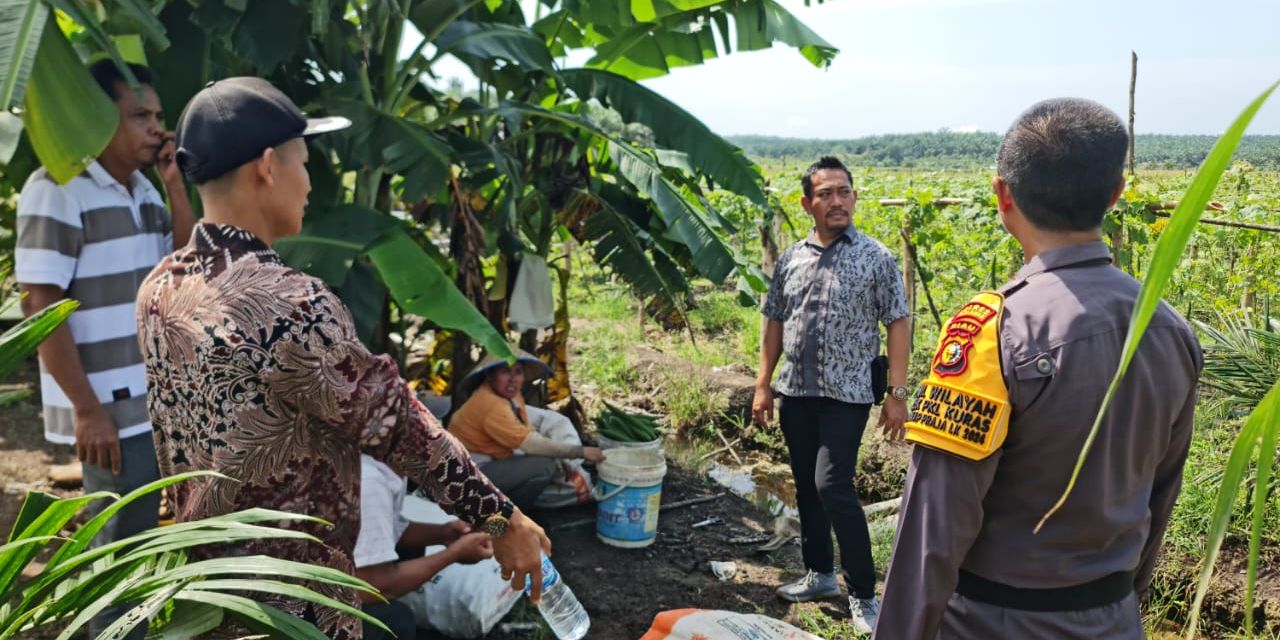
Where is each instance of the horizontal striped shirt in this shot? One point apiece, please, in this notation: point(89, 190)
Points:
point(97, 241)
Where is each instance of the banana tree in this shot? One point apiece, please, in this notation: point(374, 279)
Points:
point(512, 170)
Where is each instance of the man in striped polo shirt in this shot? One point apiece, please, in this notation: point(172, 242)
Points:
point(94, 240)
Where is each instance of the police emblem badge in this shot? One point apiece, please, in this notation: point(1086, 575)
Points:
point(963, 407)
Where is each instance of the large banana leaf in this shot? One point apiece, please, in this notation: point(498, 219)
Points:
point(673, 128)
point(420, 287)
point(269, 33)
point(758, 27)
point(489, 41)
point(432, 18)
point(330, 242)
point(20, 341)
point(641, 52)
point(649, 38)
point(712, 256)
point(21, 23)
point(68, 118)
point(393, 144)
point(617, 242)
point(136, 16)
point(331, 239)
point(685, 219)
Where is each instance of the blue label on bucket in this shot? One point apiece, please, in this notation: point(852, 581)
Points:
point(631, 515)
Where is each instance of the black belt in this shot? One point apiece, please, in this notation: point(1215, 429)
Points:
point(1103, 591)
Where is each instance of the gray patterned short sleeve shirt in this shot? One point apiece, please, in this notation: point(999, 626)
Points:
point(830, 301)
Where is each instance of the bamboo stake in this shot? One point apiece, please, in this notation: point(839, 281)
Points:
point(1133, 84)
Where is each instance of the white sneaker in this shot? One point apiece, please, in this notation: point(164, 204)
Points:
point(811, 587)
point(865, 613)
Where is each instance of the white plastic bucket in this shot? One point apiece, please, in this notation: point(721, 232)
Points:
point(628, 496)
point(607, 443)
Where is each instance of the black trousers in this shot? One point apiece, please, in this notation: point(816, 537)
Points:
point(823, 436)
point(396, 615)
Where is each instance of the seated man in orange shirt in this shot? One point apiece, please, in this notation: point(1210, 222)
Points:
point(494, 422)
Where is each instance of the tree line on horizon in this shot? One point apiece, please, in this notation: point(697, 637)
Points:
point(953, 149)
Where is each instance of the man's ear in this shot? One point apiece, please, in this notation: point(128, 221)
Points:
point(1004, 197)
point(1115, 195)
point(263, 166)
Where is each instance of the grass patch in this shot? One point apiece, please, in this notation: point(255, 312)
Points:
point(820, 624)
point(687, 398)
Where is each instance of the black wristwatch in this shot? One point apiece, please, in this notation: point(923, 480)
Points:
point(900, 392)
point(496, 524)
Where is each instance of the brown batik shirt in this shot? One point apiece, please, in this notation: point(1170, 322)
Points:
point(256, 372)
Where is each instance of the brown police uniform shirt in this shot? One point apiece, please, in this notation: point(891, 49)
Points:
point(1065, 320)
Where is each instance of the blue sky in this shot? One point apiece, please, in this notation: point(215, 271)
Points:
point(924, 65)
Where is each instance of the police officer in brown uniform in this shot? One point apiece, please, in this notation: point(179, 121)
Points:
point(1018, 377)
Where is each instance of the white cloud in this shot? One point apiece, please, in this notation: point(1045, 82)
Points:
point(796, 122)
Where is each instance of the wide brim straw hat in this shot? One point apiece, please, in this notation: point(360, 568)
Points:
point(533, 369)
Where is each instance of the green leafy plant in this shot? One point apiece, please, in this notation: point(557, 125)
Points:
point(512, 168)
point(1240, 361)
point(21, 341)
point(153, 573)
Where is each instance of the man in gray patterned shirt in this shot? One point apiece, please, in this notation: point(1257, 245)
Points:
point(830, 292)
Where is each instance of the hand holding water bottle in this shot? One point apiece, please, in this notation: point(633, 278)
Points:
point(519, 551)
point(558, 606)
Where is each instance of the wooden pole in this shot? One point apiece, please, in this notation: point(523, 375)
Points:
point(909, 282)
point(1133, 84)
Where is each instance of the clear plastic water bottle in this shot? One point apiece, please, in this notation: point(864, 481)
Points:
point(562, 611)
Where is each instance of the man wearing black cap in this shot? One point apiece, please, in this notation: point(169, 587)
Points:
point(257, 370)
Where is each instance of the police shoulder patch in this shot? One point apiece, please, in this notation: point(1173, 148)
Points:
point(963, 407)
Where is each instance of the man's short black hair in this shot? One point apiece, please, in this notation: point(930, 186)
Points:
point(108, 76)
point(1063, 159)
point(825, 162)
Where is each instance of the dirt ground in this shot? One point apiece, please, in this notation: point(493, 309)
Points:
point(623, 589)
point(25, 456)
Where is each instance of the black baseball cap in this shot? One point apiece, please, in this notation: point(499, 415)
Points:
point(232, 121)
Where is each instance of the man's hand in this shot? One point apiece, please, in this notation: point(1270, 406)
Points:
point(892, 416)
point(519, 551)
point(472, 548)
point(97, 441)
point(453, 531)
point(167, 164)
point(762, 406)
point(593, 454)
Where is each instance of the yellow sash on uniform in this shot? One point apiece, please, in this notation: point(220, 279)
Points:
point(963, 407)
